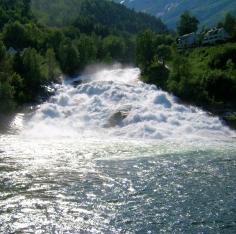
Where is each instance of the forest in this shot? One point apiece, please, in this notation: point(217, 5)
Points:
point(35, 50)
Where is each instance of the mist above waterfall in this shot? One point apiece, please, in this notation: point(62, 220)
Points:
point(113, 102)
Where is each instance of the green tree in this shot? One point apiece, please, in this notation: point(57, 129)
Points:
point(163, 53)
point(2, 51)
point(156, 74)
point(229, 25)
point(114, 46)
point(51, 63)
point(187, 24)
point(87, 50)
point(17, 82)
point(32, 73)
point(54, 39)
point(26, 8)
point(3, 17)
point(6, 96)
point(179, 81)
point(145, 51)
point(163, 40)
point(15, 35)
point(69, 58)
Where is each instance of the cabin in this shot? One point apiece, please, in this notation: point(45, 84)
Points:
point(187, 41)
point(215, 35)
point(211, 37)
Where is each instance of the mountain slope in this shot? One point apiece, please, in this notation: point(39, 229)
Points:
point(101, 13)
point(209, 12)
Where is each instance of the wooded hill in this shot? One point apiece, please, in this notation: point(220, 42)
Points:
point(42, 39)
point(94, 16)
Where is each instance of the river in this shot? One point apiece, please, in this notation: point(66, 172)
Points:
point(115, 155)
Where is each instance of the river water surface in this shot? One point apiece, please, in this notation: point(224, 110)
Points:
point(115, 155)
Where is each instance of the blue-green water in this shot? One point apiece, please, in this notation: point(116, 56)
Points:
point(112, 156)
point(73, 186)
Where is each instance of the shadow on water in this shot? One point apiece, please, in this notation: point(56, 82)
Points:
point(11, 123)
point(5, 122)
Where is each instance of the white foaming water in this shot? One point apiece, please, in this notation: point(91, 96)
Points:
point(114, 103)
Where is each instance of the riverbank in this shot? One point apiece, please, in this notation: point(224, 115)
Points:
point(205, 77)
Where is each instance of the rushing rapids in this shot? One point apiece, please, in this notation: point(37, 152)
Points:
point(110, 154)
point(115, 103)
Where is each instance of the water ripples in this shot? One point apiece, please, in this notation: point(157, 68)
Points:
point(115, 187)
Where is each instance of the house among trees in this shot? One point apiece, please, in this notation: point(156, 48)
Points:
point(193, 39)
point(187, 40)
point(215, 35)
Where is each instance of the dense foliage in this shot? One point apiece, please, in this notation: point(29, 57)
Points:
point(101, 17)
point(187, 24)
point(206, 75)
point(71, 34)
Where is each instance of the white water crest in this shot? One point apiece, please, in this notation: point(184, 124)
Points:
point(113, 102)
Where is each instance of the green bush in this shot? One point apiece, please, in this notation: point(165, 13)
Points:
point(219, 57)
point(156, 74)
point(220, 86)
point(69, 58)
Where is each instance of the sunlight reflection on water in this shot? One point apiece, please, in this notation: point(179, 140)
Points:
point(93, 186)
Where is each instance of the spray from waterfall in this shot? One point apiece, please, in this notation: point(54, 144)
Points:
point(113, 102)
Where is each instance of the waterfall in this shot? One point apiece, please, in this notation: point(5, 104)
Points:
point(113, 102)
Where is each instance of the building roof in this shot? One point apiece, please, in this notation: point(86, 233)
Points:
point(215, 31)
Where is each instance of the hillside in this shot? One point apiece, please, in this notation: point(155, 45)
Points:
point(209, 12)
point(41, 39)
point(94, 13)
